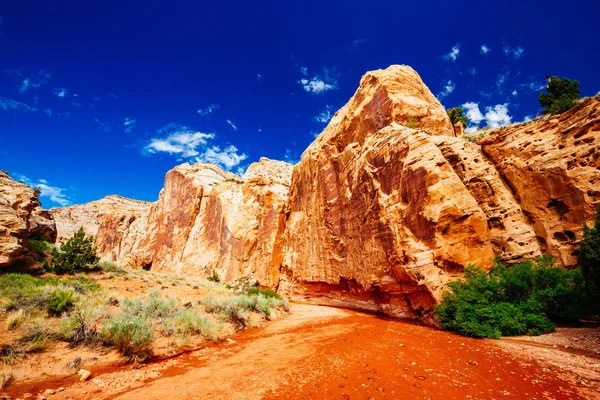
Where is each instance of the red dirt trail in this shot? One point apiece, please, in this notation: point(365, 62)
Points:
point(325, 353)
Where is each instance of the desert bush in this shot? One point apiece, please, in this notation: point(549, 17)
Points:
point(131, 335)
point(152, 307)
point(111, 267)
point(40, 247)
point(76, 254)
point(5, 379)
point(188, 323)
point(14, 320)
point(214, 277)
point(520, 299)
point(589, 255)
point(268, 293)
point(81, 327)
point(560, 95)
point(60, 300)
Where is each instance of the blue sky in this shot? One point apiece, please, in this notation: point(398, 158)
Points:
point(106, 98)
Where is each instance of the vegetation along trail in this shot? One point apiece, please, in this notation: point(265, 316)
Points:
point(321, 352)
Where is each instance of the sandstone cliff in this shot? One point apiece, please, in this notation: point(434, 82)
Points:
point(552, 165)
point(21, 219)
point(207, 219)
point(385, 207)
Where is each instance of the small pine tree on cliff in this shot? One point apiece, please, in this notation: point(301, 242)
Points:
point(457, 114)
point(560, 95)
point(589, 254)
point(75, 254)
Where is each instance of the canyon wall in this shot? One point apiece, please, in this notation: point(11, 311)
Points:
point(385, 207)
point(21, 219)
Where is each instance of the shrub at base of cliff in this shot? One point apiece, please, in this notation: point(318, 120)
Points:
point(589, 255)
point(521, 299)
point(76, 254)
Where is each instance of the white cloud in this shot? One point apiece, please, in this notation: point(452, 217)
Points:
point(515, 93)
point(55, 194)
point(448, 88)
point(259, 77)
point(319, 83)
point(528, 118)
point(325, 115)
point(226, 158)
point(208, 110)
point(129, 124)
point(48, 112)
point(291, 157)
point(60, 92)
point(473, 113)
point(472, 71)
point(497, 115)
point(534, 86)
point(185, 143)
point(484, 49)
point(514, 52)
point(232, 125)
point(32, 79)
point(502, 78)
point(454, 53)
point(9, 104)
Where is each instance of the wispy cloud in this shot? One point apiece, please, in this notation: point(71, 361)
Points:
point(54, 193)
point(61, 92)
point(103, 126)
point(7, 104)
point(359, 41)
point(32, 79)
point(484, 49)
point(495, 116)
point(515, 93)
point(208, 110)
point(534, 86)
point(185, 143)
point(129, 124)
point(454, 53)
point(259, 77)
point(325, 115)
point(319, 83)
point(514, 52)
point(291, 156)
point(447, 89)
point(231, 125)
point(472, 70)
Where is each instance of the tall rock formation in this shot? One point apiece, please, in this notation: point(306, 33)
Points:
point(209, 220)
point(553, 167)
point(21, 219)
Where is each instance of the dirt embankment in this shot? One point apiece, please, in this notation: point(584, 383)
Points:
point(320, 352)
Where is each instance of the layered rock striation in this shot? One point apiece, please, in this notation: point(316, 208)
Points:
point(21, 219)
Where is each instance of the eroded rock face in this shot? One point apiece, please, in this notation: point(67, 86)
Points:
point(207, 219)
point(117, 223)
point(21, 218)
point(553, 167)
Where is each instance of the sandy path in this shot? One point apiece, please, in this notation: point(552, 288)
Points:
point(325, 353)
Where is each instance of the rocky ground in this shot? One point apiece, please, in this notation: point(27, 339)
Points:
point(320, 352)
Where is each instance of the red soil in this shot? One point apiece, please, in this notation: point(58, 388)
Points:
point(324, 353)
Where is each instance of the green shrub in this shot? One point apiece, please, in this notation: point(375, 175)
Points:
point(14, 320)
point(76, 254)
point(111, 267)
point(214, 277)
point(560, 95)
point(40, 247)
point(457, 114)
point(515, 300)
point(81, 327)
point(131, 335)
point(153, 307)
point(60, 300)
point(268, 293)
point(589, 255)
point(188, 323)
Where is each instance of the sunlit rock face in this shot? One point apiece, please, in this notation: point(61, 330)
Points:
point(21, 219)
point(552, 165)
point(209, 220)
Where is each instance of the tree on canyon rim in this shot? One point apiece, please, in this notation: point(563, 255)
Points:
point(457, 114)
point(560, 95)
